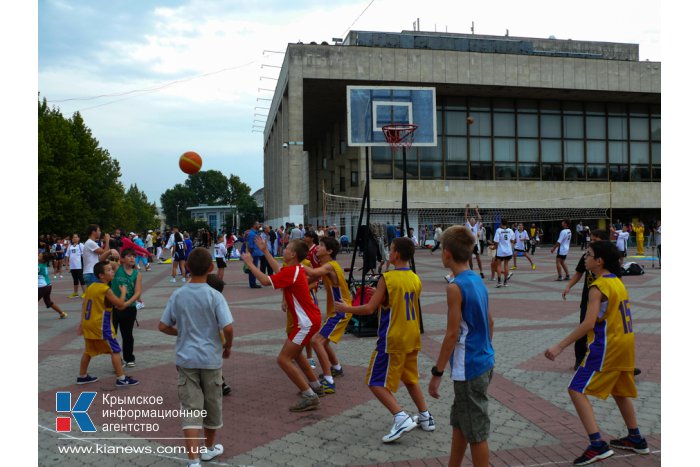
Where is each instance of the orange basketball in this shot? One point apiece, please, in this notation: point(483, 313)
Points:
point(190, 162)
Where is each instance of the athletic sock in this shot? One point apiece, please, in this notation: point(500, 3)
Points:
point(308, 392)
point(328, 378)
point(337, 367)
point(424, 415)
point(634, 434)
point(121, 378)
point(595, 439)
point(399, 417)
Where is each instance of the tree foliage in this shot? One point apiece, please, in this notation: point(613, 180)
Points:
point(79, 181)
point(212, 188)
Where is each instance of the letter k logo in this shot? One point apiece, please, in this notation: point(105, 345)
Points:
point(79, 411)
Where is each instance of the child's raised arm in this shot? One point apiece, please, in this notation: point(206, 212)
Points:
point(262, 244)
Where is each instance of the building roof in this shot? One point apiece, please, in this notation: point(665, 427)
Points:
point(204, 207)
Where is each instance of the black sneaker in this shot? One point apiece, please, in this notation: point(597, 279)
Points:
point(594, 454)
point(640, 447)
point(225, 389)
point(482, 276)
point(637, 372)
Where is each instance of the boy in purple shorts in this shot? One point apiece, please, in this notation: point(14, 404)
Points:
point(97, 328)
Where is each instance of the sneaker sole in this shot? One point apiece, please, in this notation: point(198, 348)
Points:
point(88, 382)
point(630, 448)
point(399, 433)
point(126, 385)
point(305, 409)
point(599, 457)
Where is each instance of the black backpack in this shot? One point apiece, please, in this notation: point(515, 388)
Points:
point(632, 269)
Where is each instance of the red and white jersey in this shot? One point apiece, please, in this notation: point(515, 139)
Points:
point(295, 287)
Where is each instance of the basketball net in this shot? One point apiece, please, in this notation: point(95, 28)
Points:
point(399, 135)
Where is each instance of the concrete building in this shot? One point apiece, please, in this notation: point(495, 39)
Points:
point(215, 216)
point(558, 123)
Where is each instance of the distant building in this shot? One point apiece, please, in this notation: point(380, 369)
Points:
point(215, 216)
point(259, 197)
point(560, 120)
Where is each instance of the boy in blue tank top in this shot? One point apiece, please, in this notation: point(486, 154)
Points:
point(467, 346)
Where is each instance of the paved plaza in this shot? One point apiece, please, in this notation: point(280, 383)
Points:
point(533, 422)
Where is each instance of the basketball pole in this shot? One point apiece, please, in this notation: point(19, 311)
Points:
point(404, 222)
point(610, 201)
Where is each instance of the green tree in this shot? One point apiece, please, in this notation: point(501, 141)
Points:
point(78, 180)
point(240, 196)
point(142, 214)
point(209, 187)
point(174, 202)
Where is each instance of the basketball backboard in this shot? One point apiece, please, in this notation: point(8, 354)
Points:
point(372, 107)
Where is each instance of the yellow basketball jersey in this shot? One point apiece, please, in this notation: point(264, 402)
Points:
point(611, 342)
point(399, 322)
point(339, 292)
point(97, 314)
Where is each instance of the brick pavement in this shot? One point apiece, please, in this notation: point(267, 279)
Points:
point(533, 421)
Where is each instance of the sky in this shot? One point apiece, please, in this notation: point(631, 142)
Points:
point(153, 79)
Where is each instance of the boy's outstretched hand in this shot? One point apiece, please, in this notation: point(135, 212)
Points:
point(246, 258)
point(552, 352)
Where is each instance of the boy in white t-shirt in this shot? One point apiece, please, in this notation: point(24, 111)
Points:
point(521, 239)
point(621, 238)
point(562, 247)
point(504, 239)
point(220, 256)
point(475, 226)
point(93, 253)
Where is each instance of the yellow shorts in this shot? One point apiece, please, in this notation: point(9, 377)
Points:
point(334, 327)
point(386, 370)
point(602, 384)
point(94, 347)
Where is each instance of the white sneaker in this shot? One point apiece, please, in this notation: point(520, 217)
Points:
point(427, 424)
point(184, 280)
point(139, 305)
point(312, 363)
point(406, 425)
point(60, 276)
point(173, 280)
point(210, 454)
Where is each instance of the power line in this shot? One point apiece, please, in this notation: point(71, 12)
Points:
point(353, 23)
point(149, 90)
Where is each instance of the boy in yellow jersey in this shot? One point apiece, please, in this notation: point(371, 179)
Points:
point(608, 367)
point(97, 328)
point(396, 355)
point(336, 322)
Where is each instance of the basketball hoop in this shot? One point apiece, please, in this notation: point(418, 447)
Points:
point(399, 135)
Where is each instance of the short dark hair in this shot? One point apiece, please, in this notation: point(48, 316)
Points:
point(127, 251)
point(567, 221)
point(331, 245)
point(459, 241)
point(601, 234)
point(199, 261)
point(215, 282)
point(100, 268)
point(300, 248)
point(608, 252)
point(92, 228)
point(504, 221)
point(404, 247)
point(313, 235)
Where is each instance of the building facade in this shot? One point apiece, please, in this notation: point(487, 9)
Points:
point(561, 124)
point(216, 216)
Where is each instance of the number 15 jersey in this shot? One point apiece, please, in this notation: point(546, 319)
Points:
point(399, 322)
point(611, 342)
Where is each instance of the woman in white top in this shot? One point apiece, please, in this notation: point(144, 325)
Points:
point(74, 254)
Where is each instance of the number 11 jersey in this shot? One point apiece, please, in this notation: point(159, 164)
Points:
point(399, 322)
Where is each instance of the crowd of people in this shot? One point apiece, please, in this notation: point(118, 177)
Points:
point(107, 268)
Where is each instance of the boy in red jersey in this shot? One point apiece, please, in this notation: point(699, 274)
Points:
point(608, 367)
point(305, 315)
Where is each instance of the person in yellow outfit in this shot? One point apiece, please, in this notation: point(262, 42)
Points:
point(639, 230)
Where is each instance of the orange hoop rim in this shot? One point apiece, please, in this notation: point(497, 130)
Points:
point(399, 134)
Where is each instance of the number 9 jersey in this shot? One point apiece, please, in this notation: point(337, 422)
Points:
point(399, 322)
point(611, 342)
